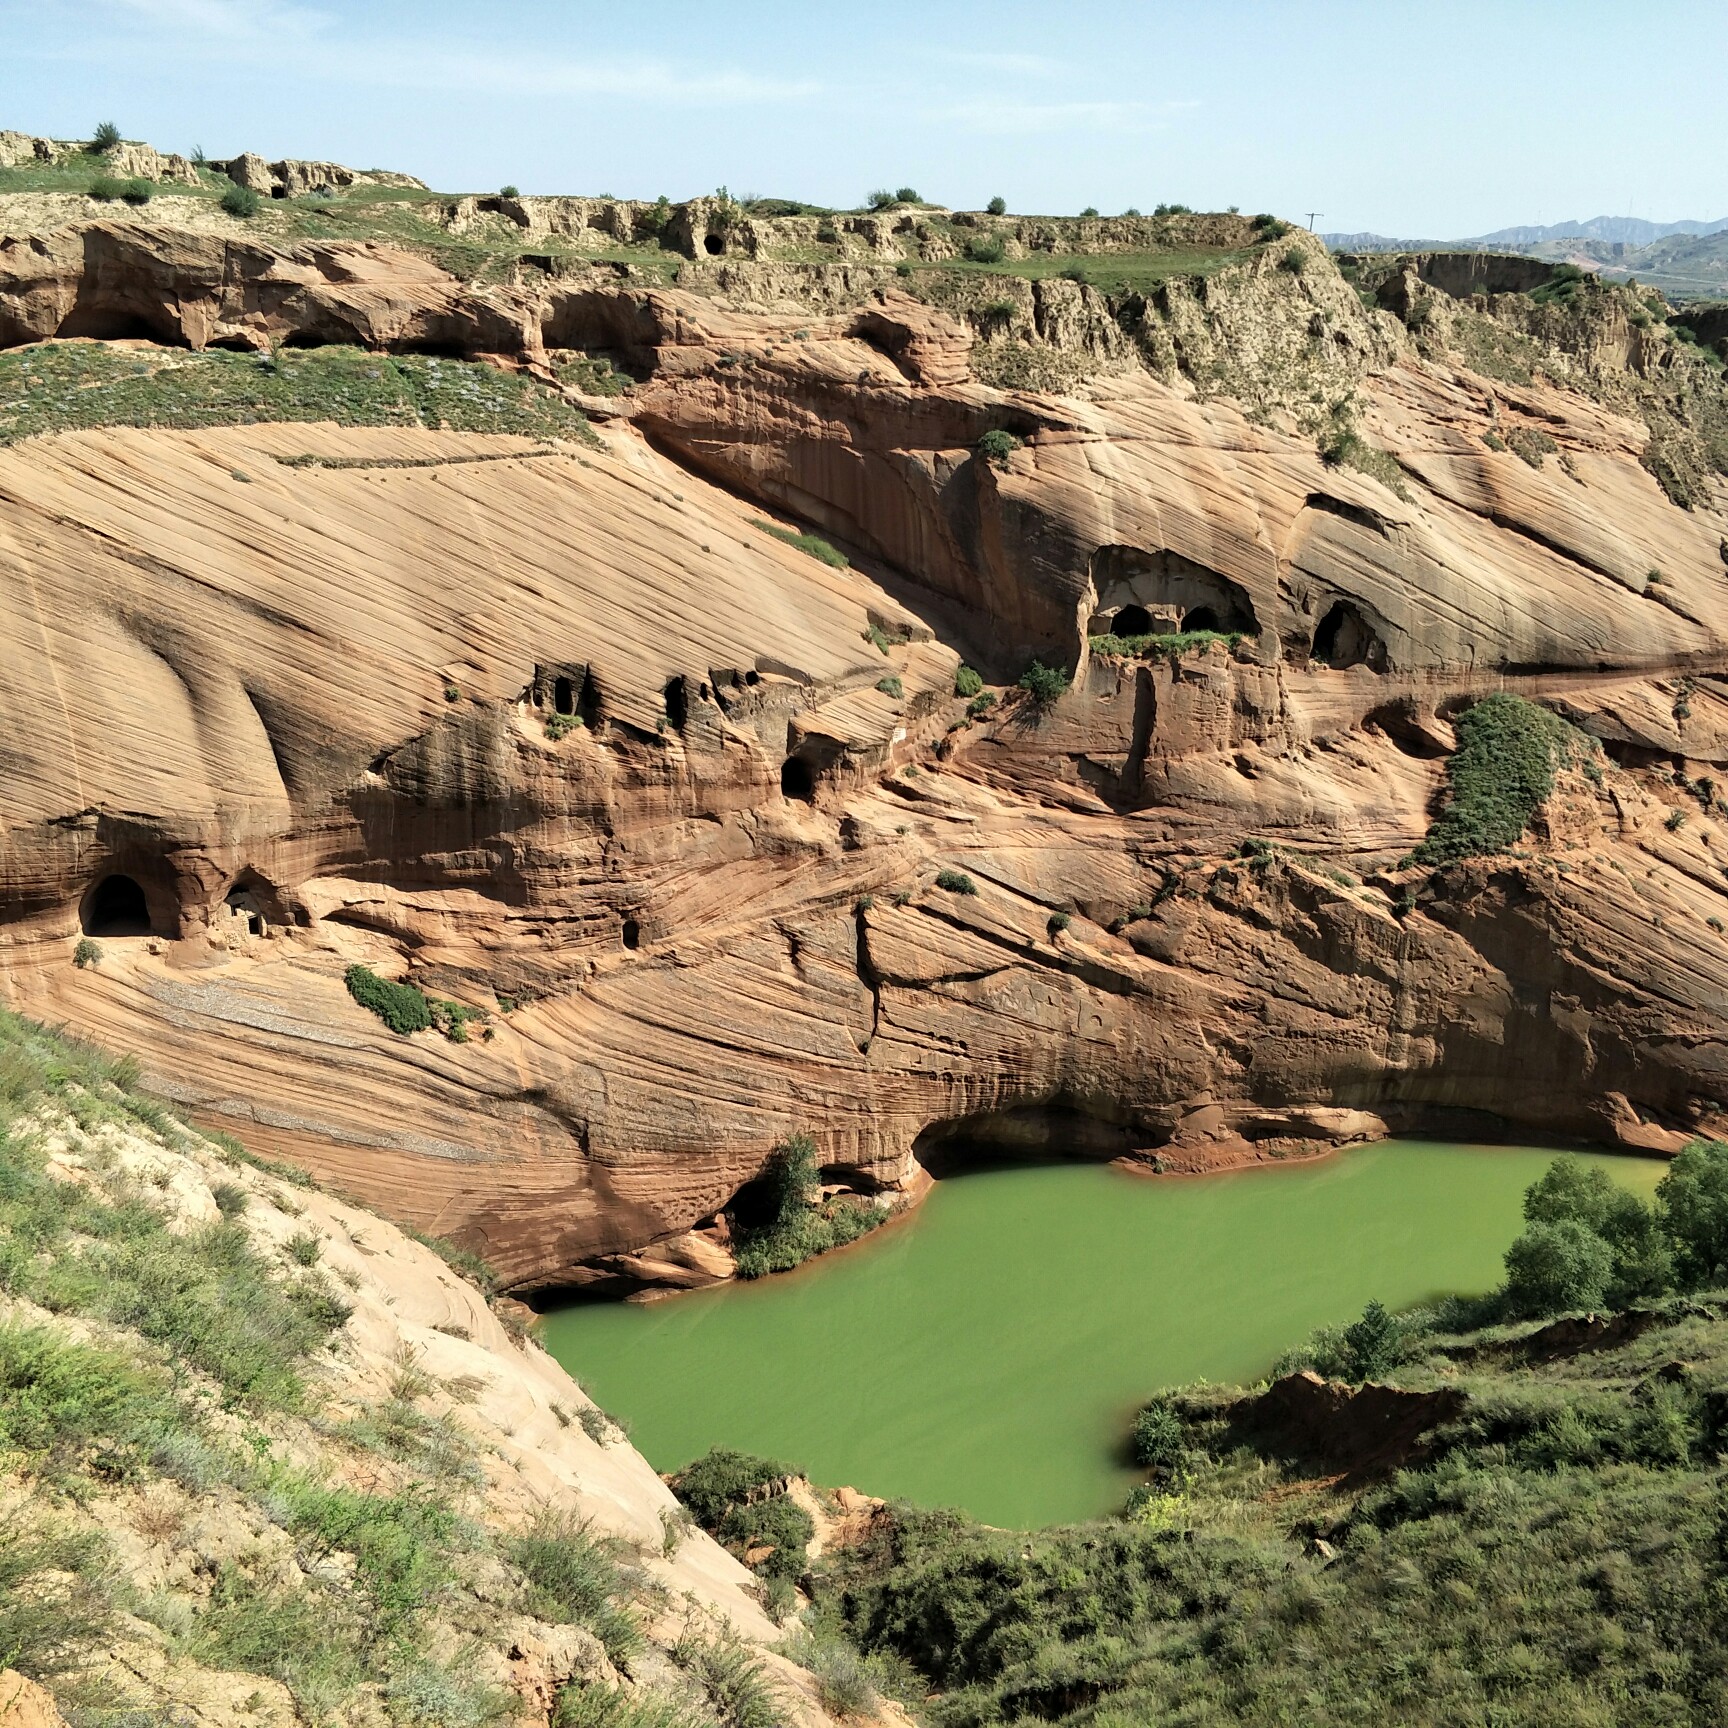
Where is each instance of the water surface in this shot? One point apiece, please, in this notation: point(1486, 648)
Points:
point(987, 1351)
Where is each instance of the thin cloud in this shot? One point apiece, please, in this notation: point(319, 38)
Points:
point(1009, 115)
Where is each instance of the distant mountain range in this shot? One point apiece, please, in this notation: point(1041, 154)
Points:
point(1617, 230)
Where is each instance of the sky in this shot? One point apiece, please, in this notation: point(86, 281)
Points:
point(1412, 118)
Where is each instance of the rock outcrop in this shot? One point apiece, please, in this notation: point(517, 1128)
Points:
point(294, 683)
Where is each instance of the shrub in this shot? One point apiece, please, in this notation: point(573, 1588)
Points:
point(880, 199)
point(136, 191)
point(986, 249)
point(87, 953)
point(575, 1580)
point(956, 882)
point(1371, 1344)
point(1499, 776)
point(1044, 685)
point(59, 1399)
point(891, 686)
point(966, 681)
point(907, 195)
point(1058, 922)
point(1295, 261)
point(1557, 1268)
point(508, 192)
point(981, 704)
point(105, 137)
point(814, 544)
point(796, 1225)
point(55, 1602)
point(401, 1007)
point(997, 445)
point(1160, 1439)
point(241, 201)
point(1090, 210)
point(739, 1689)
point(1692, 1203)
point(560, 726)
point(997, 207)
point(105, 189)
point(720, 1478)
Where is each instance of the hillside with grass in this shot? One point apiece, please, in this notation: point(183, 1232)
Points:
point(265, 1459)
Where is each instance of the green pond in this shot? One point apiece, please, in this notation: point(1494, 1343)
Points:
point(987, 1351)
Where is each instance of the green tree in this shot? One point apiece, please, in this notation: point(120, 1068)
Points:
point(1557, 1268)
point(1569, 1188)
point(1692, 1202)
point(105, 137)
point(1371, 1343)
point(997, 206)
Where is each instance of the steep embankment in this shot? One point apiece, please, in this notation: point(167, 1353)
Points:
point(314, 690)
point(265, 1458)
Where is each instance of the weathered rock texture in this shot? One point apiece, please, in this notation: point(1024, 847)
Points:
point(327, 687)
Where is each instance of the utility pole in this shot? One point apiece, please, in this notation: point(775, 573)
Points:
point(1313, 217)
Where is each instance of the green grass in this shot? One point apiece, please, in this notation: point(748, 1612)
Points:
point(59, 387)
point(814, 544)
point(573, 1578)
point(1171, 645)
point(1502, 771)
point(56, 1595)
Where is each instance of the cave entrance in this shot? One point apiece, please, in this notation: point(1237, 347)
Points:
point(631, 933)
point(1202, 618)
point(243, 903)
point(1132, 620)
point(1142, 583)
point(116, 907)
point(796, 780)
point(677, 704)
point(1345, 639)
point(713, 245)
point(563, 696)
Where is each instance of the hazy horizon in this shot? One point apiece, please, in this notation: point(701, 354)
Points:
point(1455, 120)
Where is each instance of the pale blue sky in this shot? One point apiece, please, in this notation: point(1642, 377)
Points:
point(1440, 119)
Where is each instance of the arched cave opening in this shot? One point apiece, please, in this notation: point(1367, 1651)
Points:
point(713, 245)
point(116, 907)
point(1201, 618)
point(631, 933)
point(244, 903)
point(1164, 581)
point(1132, 620)
point(677, 704)
point(796, 780)
point(1344, 638)
point(563, 696)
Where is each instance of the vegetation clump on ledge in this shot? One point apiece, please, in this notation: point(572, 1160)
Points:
point(792, 1222)
point(1044, 685)
point(814, 544)
point(1501, 773)
point(1171, 644)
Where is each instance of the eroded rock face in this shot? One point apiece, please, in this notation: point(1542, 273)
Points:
point(713, 906)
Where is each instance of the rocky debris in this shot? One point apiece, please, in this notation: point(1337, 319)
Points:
point(1359, 1432)
point(294, 179)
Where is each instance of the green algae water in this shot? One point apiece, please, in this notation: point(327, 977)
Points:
point(987, 1351)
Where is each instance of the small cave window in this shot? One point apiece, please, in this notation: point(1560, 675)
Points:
point(243, 903)
point(677, 704)
point(116, 907)
point(1201, 618)
point(631, 934)
point(1132, 621)
point(796, 780)
point(563, 696)
point(713, 245)
point(588, 703)
point(752, 676)
point(1344, 639)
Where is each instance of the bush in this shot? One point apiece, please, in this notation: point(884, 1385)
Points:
point(560, 726)
point(720, 1479)
point(1692, 1203)
point(986, 249)
point(58, 1400)
point(401, 1007)
point(966, 681)
point(1045, 685)
point(981, 704)
point(739, 1689)
point(880, 199)
point(56, 1605)
point(105, 137)
point(508, 192)
point(997, 207)
point(105, 189)
point(956, 882)
point(1557, 1268)
point(575, 1580)
point(1057, 922)
point(1371, 1344)
point(87, 953)
point(1160, 1438)
point(1090, 210)
point(997, 445)
point(891, 686)
point(907, 195)
point(241, 201)
point(1643, 1263)
point(136, 191)
point(814, 544)
point(1499, 776)
point(1295, 261)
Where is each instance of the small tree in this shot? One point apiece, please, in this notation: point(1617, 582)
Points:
point(1557, 1268)
point(1045, 685)
point(793, 1180)
point(1159, 1438)
point(907, 195)
point(880, 199)
point(1692, 1201)
point(105, 137)
point(997, 206)
point(508, 192)
point(1090, 210)
point(87, 953)
point(1371, 1343)
point(997, 446)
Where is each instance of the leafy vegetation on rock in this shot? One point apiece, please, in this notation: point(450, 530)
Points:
point(1501, 773)
point(401, 1007)
point(814, 544)
point(1044, 685)
point(790, 1221)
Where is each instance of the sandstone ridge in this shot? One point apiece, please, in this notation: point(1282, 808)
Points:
point(313, 690)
